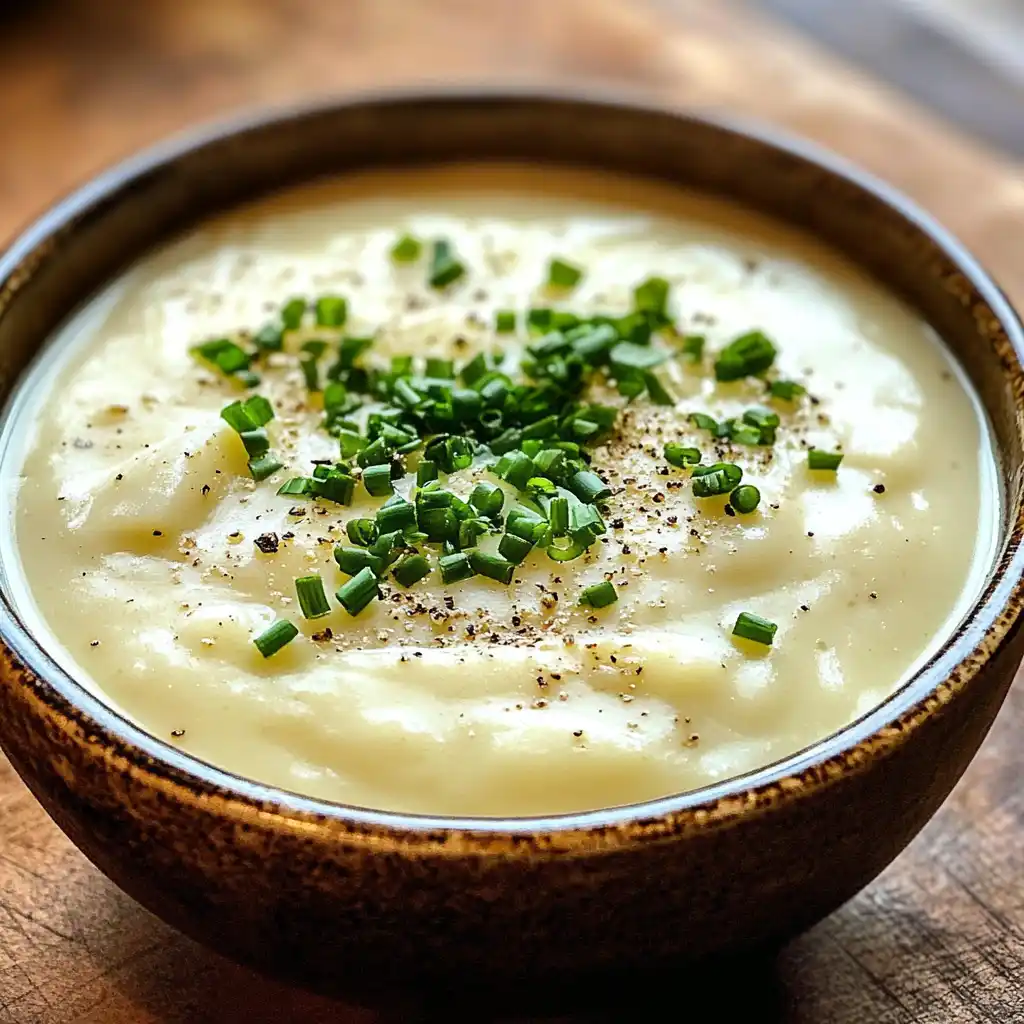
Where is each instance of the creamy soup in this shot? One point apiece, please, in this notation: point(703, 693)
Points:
point(695, 638)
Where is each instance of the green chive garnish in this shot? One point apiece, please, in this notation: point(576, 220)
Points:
point(331, 311)
point(312, 599)
point(310, 372)
point(651, 296)
point(514, 548)
point(753, 627)
point(353, 560)
point(271, 640)
point(292, 313)
point(444, 267)
point(599, 595)
point(269, 338)
point(411, 569)
point(487, 499)
point(396, 515)
point(558, 516)
point(818, 459)
point(358, 592)
point(377, 480)
point(224, 354)
point(264, 466)
point(745, 498)
point(256, 442)
point(296, 486)
point(679, 455)
point(702, 421)
point(249, 414)
point(562, 274)
point(719, 478)
point(505, 321)
point(407, 249)
point(692, 347)
point(588, 486)
point(786, 390)
point(455, 567)
point(745, 356)
point(362, 531)
point(492, 567)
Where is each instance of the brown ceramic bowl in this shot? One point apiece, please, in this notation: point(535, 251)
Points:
point(334, 896)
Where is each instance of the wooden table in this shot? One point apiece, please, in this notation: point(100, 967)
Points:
point(939, 937)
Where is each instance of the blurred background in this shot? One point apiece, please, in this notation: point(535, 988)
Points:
point(929, 94)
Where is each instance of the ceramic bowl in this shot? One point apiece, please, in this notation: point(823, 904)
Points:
point(336, 897)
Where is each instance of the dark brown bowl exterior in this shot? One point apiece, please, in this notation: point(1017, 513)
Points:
point(335, 897)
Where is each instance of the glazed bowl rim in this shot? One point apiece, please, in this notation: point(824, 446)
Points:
point(984, 629)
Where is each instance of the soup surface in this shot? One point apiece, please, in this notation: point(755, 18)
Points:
point(151, 558)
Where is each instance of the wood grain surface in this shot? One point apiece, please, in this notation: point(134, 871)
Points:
point(939, 937)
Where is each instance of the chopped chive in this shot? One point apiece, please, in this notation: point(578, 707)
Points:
point(353, 560)
point(627, 357)
point(692, 347)
point(745, 498)
point(471, 530)
point(588, 486)
point(818, 459)
point(362, 531)
point(331, 311)
point(758, 416)
point(745, 356)
point(351, 443)
point(226, 355)
point(515, 468)
point(562, 274)
point(425, 472)
point(656, 390)
point(741, 433)
point(505, 321)
point(407, 249)
point(264, 466)
point(358, 592)
point(444, 267)
point(492, 567)
point(249, 414)
point(310, 372)
point(336, 486)
point(296, 486)
point(443, 369)
point(651, 296)
point(312, 599)
point(269, 338)
point(350, 350)
point(599, 595)
point(256, 442)
point(439, 524)
point(377, 480)
point(679, 455)
point(410, 569)
point(271, 640)
point(487, 498)
point(292, 313)
point(786, 390)
point(719, 478)
point(566, 549)
point(387, 544)
point(455, 567)
point(542, 428)
point(514, 548)
point(753, 627)
point(396, 515)
point(702, 421)
point(558, 516)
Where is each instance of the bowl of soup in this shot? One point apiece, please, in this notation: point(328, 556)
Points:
point(499, 538)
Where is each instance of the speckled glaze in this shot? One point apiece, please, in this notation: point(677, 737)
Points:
point(343, 899)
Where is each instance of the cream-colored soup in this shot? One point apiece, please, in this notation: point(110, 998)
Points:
point(136, 518)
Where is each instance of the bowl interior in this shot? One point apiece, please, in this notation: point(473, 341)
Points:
point(74, 249)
